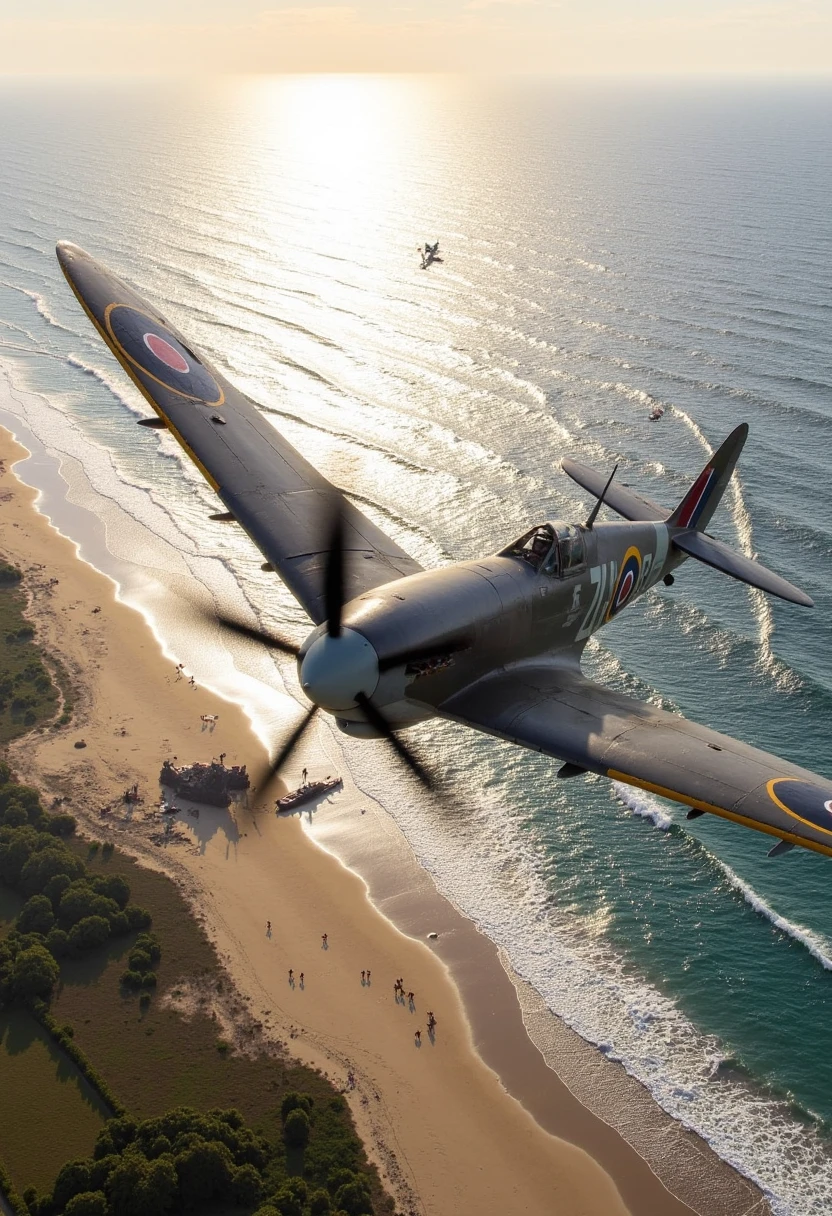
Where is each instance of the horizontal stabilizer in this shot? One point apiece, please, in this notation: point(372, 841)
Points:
point(722, 557)
point(618, 496)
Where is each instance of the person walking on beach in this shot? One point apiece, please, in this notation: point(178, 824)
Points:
point(303, 777)
point(291, 976)
point(368, 975)
point(324, 941)
point(363, 973)
point(418, 1038)
point(268, 928)
point(410, 996)
point(301, 979)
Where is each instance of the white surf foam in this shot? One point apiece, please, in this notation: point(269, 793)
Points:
point(643, 806)
point(819, 947)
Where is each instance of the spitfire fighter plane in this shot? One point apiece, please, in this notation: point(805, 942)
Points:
point(430, 254)
point(494, 643)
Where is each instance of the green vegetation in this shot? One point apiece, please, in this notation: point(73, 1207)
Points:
point(28, 694)
point(47, 1112)
point(207, 1129)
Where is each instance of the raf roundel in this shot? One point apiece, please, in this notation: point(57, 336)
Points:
point(168, 354)
point(809, 803)
point(155, 352)
point(627, 582)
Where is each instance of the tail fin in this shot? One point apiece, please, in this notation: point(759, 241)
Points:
point(693, 514)
point(702, 499)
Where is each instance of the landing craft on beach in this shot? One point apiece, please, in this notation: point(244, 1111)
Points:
point(494, 643)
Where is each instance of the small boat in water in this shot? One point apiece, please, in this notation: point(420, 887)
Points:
point(308, 791)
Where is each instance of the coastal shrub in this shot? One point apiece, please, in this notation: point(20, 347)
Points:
point(246, 1186)
point(73, 1178)
point(107, 850)
point(319, 1204)
point(76, 902)
point(89, 933)
point(55, 887)
point(151, 944)
point(36, 915)
point(149, 979)
point(10, 576)
point(87, 1203)
point(144, 1001)
point(131, 979)
point(354, 1197)
point(35, 974)
point(205, 1172)
point(57, 942)
point(137, 918)
point(15, 815)
point(119, 925)
point(296, 1128)
point(292, 1101)
point(113, 886)
point(44, 863)
point(287, 1203)
point(138, 960)
point(62, 825)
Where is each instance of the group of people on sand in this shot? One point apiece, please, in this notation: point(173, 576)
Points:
point(180, 671)
point(401, 996)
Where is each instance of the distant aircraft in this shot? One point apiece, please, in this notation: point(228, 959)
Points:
point(494, 643)
point(430, 253)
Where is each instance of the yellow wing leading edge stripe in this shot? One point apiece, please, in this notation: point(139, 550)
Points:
point(212, 482)
point(699, 805)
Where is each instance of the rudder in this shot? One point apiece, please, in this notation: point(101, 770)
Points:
point(702, 499)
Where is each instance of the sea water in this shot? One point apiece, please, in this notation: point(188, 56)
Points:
point(608, 247)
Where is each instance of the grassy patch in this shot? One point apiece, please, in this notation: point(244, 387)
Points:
point(48, 1113)
point(28, 694)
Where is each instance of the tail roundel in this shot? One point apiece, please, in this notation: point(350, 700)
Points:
point(702, 499)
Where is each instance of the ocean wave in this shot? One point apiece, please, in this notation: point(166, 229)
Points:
point(42, 306)
point(819, 947)
point(642, 806)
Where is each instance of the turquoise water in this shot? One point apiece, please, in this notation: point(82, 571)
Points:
point(606, 247)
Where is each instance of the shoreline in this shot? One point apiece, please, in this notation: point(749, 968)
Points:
point(492, 1034)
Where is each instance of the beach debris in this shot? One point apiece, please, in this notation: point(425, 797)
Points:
point(432, 937)
point(212, 784)
point(79, 743)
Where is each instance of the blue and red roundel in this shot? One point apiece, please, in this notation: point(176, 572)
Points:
point(627, 582)
point(812, 804)
point(152, 348)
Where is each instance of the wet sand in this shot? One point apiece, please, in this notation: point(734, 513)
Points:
point(462, 1123)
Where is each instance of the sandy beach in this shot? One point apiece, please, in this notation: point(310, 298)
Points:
point(462, 1123)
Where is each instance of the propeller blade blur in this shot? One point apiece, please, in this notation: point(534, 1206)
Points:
point(334, 574)
point(267, 778)
point(377, 719)
point(254, 634)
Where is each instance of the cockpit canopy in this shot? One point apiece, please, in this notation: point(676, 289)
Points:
point(552, 548)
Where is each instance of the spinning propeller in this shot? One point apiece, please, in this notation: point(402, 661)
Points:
point(334, 668)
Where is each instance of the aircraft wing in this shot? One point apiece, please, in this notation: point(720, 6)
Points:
point(281, 501)
point(559, 712)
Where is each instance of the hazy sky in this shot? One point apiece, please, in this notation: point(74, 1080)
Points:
point(534, 36)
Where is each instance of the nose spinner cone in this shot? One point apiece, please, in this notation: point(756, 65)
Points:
point(333, 670)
